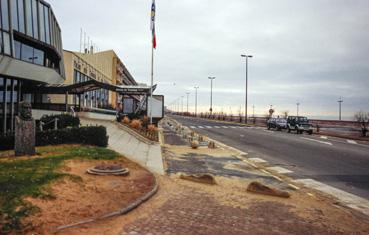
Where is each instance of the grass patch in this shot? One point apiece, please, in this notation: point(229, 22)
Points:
point(21, 178)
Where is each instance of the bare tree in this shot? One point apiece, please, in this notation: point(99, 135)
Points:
point(362, 118)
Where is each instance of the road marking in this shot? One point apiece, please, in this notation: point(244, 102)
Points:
point(351, 142)
point(225, 127)
point(242, 136)
point(193, 127)
point(257, 160)
point(294, 186)
point(268, 131)
point(280, 170)
point(318, 141)
point(201, 127)
point(209, 127)
point(324, 137)
point(233, 127)
point(217, 127)
point(348, 199)
point(277, 178)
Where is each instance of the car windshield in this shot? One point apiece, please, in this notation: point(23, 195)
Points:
point(281, 120)
point(303, 119)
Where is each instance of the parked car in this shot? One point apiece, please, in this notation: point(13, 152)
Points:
point(299, 124)
point(277, 123)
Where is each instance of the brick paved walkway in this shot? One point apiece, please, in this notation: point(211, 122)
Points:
point(191, 211)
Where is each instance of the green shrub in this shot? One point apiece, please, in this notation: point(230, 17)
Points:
point(90, 135)
point(64, 121)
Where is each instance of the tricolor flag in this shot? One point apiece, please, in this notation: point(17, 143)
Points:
point(153, 12)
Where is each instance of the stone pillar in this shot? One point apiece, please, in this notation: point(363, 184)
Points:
point(25, 131)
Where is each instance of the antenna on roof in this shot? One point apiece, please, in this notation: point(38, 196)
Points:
point(80, 41)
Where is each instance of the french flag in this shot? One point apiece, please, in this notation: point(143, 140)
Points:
point(153, 12)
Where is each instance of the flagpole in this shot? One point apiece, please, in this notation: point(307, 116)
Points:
point(152, 80)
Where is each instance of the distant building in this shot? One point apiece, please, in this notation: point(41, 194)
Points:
point(30, 54)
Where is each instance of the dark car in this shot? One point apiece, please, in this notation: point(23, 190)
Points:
point(277, 123)
point(299, 124)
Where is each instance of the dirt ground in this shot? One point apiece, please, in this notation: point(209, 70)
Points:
point(90, 196)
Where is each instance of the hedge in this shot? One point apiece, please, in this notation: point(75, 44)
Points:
point(64, 121)
point(90, 135)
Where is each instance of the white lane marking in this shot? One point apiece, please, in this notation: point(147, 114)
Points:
point(268, 131)
point(242, 136)
point(209, 127)
point(201, 127)
point(217, 127)
point(225, 127)
point(193, 127)
point(233, 127)
point(324, 137)
point(280, 170)
point(350, 200)
point(351, 142)
point(318, 141)
point(257, 160)
point(294, 186)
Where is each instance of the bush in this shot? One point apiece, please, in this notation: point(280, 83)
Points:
point(136, 124)
point(126, 120)
point(64, 121)
point(90, 135)
point(152, 129)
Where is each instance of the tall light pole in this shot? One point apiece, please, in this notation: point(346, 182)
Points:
point(211, 94)
point(188, 93)
point(246, 57)
point(340, 101)
point(196, 87)
point(297, 107)
point(182, 103)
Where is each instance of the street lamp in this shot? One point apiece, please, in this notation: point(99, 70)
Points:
point(196, 87)
point(182, 103)
point(340, 101)
point(188, 93)
point(211, 94)
point(297, 106)
point(246, 57)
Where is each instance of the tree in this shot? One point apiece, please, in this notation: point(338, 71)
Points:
point(285, 113)
point(362, 118)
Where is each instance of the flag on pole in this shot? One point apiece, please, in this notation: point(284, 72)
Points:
point(153, 12)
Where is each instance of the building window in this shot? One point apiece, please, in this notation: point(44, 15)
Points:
point(28, 53)
point(29, 18)
point(42, 22)
point(5, 14)
point(17, 50)
point(6, 43)
point(35, 19)
point(14, 7)
point(21, 16)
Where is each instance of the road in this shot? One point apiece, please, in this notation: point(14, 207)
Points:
point(336, 162)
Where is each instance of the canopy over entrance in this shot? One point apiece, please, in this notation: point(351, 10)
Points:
point(91, 85)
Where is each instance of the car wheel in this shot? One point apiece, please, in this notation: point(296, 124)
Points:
point(310, 132)
point(268, 127)
point(288, 129)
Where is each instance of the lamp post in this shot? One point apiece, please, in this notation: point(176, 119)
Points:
point(211, 94)
point(297, 107)
point(196, 87)
point(188, 93)
point(246, 57)
point(182, 103)
point(340, 101)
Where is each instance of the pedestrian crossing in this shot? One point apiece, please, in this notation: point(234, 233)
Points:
point(217, 127)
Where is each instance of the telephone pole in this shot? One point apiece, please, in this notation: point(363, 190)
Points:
point(340, 101)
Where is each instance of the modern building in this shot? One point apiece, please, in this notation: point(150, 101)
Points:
point(30, 54)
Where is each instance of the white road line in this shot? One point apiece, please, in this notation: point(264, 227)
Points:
point(209, 127)
point(193, 127)
point(318, 141)
point(233, 127)
point(225, 127)
point(351, 142)
point(242, 136)
point(217, 127)
point(350, 200)
point(257, 160)
point(324, 137)
point(280, 170)
point(201, 127)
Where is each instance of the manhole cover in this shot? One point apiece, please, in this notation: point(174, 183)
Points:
point(108, 169)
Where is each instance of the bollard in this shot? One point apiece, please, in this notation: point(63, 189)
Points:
point(55, 124)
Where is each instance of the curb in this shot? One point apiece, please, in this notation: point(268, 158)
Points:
point(122, 211)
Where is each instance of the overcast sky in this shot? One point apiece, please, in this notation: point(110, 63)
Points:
point(305, 51)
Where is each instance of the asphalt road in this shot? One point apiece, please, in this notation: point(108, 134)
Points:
point(336, 162)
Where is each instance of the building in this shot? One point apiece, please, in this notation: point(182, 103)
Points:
point(104, 67)
point(30, 54)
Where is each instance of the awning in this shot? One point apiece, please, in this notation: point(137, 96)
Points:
point(91, 85)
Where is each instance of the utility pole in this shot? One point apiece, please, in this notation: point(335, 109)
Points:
point(253, 111)
point(247, 57)
point(297, 105)
point(188, 93)
point(211, 94)
point(340, 101)
point(196, 87)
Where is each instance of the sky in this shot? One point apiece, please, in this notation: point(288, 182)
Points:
point(310, 52)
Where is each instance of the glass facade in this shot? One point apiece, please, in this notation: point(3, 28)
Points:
point(25, 27)
point(28, 32)
point(92, 99)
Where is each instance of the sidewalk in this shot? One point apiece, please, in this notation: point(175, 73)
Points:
point(148, 155)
